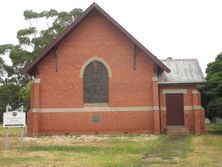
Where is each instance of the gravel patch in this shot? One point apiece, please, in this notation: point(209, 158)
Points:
point(84, 139)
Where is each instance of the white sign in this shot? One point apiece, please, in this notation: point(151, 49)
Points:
point(14, 119)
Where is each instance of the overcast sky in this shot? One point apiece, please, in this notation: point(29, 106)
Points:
point(168, 28)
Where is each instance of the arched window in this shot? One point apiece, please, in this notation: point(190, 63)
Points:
point(95, 83)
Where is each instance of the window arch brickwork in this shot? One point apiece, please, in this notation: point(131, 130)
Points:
point(95, 58)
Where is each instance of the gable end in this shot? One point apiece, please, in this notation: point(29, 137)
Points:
point(30, 69)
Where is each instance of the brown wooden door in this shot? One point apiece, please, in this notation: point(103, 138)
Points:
point(174, 109)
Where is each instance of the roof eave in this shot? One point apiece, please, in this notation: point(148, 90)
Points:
point(168, 83)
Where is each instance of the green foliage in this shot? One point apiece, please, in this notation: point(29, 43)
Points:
point(29, 14)
point(9, 94)
point(4, 48)
point(14, 87)
point(37, 38)
point(215, 107)
point(212, 90)
point(23, 35)
point(24, 95)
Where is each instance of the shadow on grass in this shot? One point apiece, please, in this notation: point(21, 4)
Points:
point(117, 148)
point(214, 129)
point(214, 132)
point(65, 148)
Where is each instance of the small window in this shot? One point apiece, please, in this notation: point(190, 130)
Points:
point(95, 83)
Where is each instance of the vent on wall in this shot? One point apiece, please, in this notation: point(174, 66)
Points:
point(96, 118)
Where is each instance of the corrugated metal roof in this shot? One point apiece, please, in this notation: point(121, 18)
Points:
point(182, 71)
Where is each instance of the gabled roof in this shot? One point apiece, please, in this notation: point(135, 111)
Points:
point(182, 71)
point(30, 68)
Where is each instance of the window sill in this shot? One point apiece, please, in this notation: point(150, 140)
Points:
point(96, 105)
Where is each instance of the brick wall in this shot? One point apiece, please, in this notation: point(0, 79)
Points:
point(82, 123)
point(61, 85)
point(95, 36)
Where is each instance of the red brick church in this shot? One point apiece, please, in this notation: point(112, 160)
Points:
point(96, 78)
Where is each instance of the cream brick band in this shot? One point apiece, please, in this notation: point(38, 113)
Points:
point(95, 109)
point(95, 58)
point(172, 91)
point(186, 108)
point(193, 108)
point(154, 78)
point(195, 91)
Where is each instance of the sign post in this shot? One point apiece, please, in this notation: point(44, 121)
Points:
point(11, 119)
point(21, 137)
point(6, 138)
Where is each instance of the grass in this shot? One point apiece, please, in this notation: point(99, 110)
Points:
point(214, 127)
point(11, 131)
point(115, 151)
point(206, 148)
point(168, 152)
point(8, 161)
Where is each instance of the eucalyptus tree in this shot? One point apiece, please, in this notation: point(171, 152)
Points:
point(42, 28)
